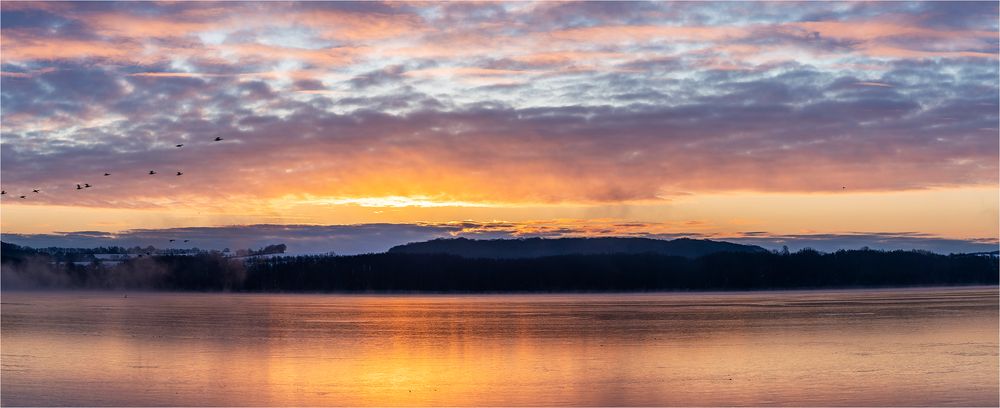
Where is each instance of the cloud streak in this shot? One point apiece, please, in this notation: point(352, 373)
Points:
point(367, 238)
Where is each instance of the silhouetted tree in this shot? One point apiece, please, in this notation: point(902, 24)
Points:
point(392, 272)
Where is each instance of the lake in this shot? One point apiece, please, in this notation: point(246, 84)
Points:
point(866, 347)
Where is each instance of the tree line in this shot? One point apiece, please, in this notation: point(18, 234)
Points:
point(393, 272)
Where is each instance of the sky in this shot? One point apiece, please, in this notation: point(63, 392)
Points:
point(352, 127)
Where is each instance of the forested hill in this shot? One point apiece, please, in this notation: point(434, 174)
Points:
point(541, 247)
point(26, 268)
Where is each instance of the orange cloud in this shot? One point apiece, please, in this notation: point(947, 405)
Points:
point(624, 34)
point(886, 51)
point(19, 49)
point(360, 27)
point(566, 57)
point(872, 30)
point(142, 27)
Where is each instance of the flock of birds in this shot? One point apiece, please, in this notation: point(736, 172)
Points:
point(106, 174)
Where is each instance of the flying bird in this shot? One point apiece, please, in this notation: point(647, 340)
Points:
point(172, 240)
point(186, 240)
point(3, 192)
point(78, 187)
point(85, 185)
point(107, 174)
point(218, 139)
point(35, 191)
point(151, 172)
point(180, 174)
point(24, 196)
point(180, 145)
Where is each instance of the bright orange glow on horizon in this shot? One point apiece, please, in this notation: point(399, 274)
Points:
point(950, 213)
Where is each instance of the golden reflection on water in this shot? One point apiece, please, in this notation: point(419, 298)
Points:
point(888, 347)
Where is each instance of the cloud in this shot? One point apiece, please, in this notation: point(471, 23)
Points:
point(874, 240)
point(491, 103)
point(386, 75)
point(367, 238)
point(495, 153)
point(869, 83)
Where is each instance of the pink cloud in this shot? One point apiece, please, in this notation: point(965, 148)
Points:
point(869, 83)
point(20, 49)
point(874, 30)
point(646, 33)
point(29, 74)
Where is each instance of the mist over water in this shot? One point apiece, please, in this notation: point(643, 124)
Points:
point(856, 348)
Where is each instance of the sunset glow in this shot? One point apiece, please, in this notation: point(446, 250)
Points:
point(722, 120)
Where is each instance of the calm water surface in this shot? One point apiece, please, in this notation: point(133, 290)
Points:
point(875, 347)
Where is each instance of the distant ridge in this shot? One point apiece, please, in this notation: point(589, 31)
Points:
point(608, 267)
point(541, 247)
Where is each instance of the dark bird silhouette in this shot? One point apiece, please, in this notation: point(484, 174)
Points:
point(79, 187)
point(85, 185)
point(4, 192)
point(180, 145)
point(186, 240)
point(151, 172)
point(35, 191)
point(180, 174)
point(843, 188)
point(172, 240)
point(107, 174)
point(24, 196)
point(218, 139)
